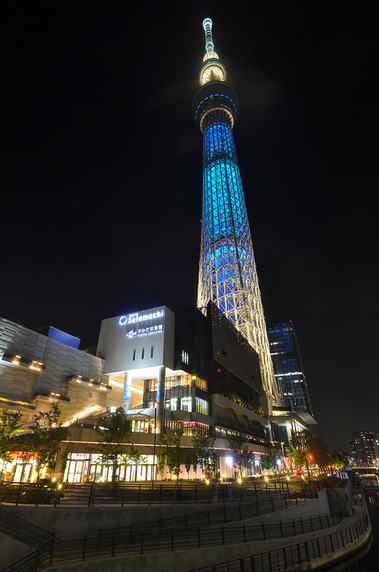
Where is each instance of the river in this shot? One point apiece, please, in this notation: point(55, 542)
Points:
point(368, 560)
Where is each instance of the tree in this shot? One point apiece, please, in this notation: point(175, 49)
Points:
point(190, 460)
point(299, 449)
point(318, 452)
point(171, 452)
point(9, 426)
point(268, 460)
point(243, 457)
point(45, 438)
point(116, 433)
point(338, 460)
point(203, 453)
point(134, 456)
point(64, 459)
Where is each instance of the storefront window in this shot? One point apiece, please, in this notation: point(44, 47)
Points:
point(191, 428)
point(140, 426)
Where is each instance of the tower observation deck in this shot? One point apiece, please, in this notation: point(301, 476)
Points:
point(227, 272)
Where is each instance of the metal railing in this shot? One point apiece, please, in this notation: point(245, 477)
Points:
point(280, 559)
point(154, 493)
point(29, 493)
point(108, 538)
point(24, 528)
point(168, 535)
point(133, 539)
point(149, 492)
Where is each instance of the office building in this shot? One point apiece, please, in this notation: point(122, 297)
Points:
point(288, 368)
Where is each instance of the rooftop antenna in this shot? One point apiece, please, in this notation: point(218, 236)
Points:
point(207, 25)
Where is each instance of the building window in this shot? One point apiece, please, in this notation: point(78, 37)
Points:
point(223, 352)
point(171, 404)
point(134, 354)
point(202, 406)
point(199, 382)
point(186, 404)
point(185, 357)
point(152, 351)
point(177, 381)
point(143, 353)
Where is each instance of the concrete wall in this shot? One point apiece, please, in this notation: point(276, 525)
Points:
point(10, 548)
point(81, 519)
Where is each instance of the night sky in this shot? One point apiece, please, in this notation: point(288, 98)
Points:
point(101, 177)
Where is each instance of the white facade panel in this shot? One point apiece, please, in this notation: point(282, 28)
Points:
point(137, 341)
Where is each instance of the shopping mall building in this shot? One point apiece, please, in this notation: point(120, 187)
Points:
point(165, 369)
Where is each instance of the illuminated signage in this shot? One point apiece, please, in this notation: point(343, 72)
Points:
point(141, 329)
point(135, 318)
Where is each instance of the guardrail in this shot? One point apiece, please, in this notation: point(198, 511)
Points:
point(156, 535)
point(29, 493)
point(142, 493)
point(24, 528)
point(133, 540)
point(153, 493)
point(285, 557)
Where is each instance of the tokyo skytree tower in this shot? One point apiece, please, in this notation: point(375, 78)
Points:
point(227, 272)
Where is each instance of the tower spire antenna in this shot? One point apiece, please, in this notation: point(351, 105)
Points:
point(209, 45)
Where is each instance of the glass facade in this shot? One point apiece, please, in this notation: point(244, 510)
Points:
point(288, 368)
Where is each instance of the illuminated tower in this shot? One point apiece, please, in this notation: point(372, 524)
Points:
point(227, 273)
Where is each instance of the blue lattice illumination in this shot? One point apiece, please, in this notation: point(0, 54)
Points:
point(227, 272)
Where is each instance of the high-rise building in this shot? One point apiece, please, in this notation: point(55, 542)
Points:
point(288, 368)
point(363, 448)
point(227, 271)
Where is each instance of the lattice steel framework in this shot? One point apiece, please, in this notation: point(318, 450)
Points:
point(227, 271)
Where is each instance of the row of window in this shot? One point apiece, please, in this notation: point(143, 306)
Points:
point(177, 381)
point(142, 353)
point(187, 404)
point(185, 356)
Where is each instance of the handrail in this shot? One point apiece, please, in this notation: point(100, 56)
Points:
point(133, 540)
point(277, 559)
point(117, 493)
point(27, 517)
point(124, 493)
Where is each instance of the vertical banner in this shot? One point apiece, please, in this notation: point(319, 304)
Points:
point(126, 395)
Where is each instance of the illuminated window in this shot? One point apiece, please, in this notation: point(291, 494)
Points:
point(202, 406)
point(200, 383)
point(185, 357)
point(186, 404)
point(172, 404)
point(178, 381)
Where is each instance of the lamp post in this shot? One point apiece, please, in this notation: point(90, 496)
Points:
point(155, 439)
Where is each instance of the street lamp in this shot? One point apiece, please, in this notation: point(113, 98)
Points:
point(155, 440)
